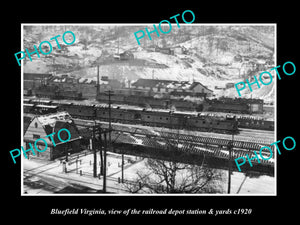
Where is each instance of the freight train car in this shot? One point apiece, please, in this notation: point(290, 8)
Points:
point(39, 109)
point(79, 111)
point(163, 118)
point(229, 105)
point(160, 117)
point(238, 105)
point(210, 124)
point(57, 93)
point(255, 123)
point(28, 108)
point(149, 101)
point(119, 115)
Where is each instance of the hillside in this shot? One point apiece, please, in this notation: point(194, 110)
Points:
point(214, 56)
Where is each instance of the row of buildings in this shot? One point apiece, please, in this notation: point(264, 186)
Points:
point(173, 87)
point(89, 87)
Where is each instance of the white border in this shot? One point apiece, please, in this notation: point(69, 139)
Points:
point(147, 24)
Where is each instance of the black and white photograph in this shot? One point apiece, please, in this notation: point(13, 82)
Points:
point(143, 109)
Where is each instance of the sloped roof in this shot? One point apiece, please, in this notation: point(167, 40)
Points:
point(194, 84)
point(55, 122)
point(50, 119)
point(150, 82)
point(167, 84)
point(52, 123)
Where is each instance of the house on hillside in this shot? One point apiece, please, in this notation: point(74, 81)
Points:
point(168, 51)
point(198, 88)
point(41, 126)
point(127, 55)
point(179, 50)
point(229, 85)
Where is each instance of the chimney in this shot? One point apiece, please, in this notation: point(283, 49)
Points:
point(98, 83)
point(129, 83)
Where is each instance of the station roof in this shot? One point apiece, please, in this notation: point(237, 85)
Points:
point(50, 119)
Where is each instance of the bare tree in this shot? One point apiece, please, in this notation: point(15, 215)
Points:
point(173, 177)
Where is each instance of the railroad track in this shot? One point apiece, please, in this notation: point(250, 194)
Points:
point(214, 145)
point(254, 122)
point(250, 141)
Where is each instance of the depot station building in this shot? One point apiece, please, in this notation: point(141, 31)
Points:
point(43, 125)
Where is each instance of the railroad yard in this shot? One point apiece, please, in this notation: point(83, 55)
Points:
point(140, 142)
point(163, 118)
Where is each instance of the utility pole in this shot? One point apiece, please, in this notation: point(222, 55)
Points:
point(100, 150)
point(98, 82)
point(109, 116)
point(109, 92)
point(122, 168)
point(104, 164)
point(94, 151)
point(67, 151)
point(230, 146)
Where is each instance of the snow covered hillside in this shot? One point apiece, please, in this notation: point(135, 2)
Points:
point(213, 55)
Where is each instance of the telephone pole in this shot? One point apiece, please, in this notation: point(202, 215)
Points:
point(109, 93)
point(230, 147)
point(122, 168)
point(94, 151)
point(107, 146)
point(104, 164)
point(98, 82)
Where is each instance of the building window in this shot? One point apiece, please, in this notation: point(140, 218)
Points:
point(35, 124)
point(36, 136)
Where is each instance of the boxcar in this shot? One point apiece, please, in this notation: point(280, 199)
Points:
point(79, 111)
point(160, 118)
